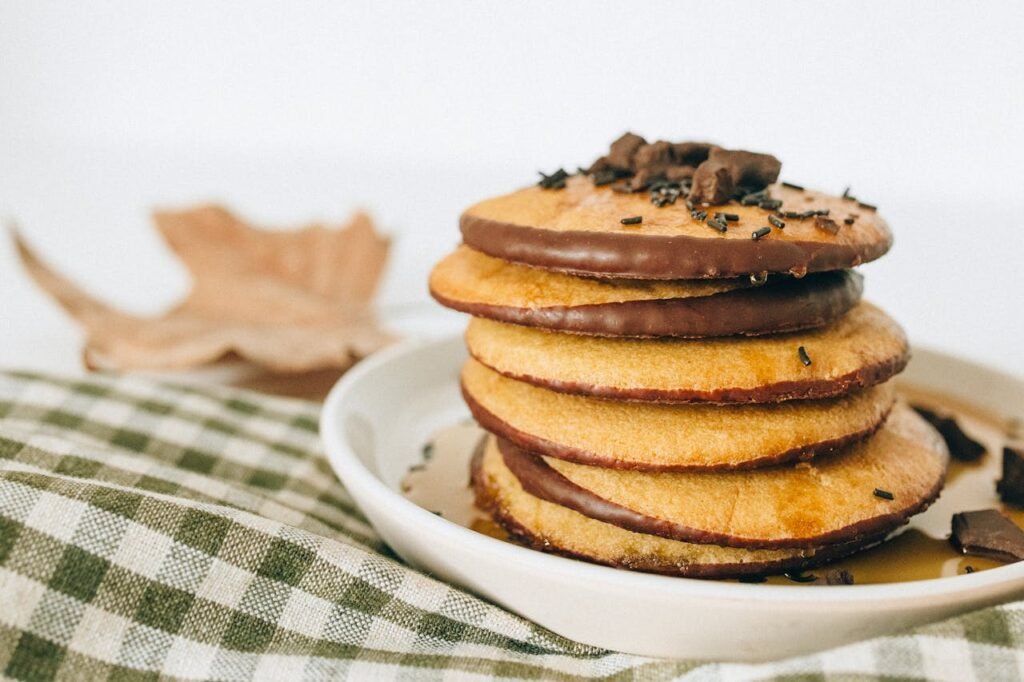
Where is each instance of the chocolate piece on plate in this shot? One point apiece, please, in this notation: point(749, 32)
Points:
point(988, 533)
point(961, 446)
point(1011, 486)
point(838, 577)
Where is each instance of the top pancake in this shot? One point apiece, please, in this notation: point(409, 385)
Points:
point(578, 230)
point(478, 284)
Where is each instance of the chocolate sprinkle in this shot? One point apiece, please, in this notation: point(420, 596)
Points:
point(632, 220)
point(804, 357)
point(847, 196)
point(961, 446)
point(792, 186)
point(699, 215)
point(776, 222)
point(800, 577)
point(718, 224)
point(731, 217)
point(867, 206)
point(760, 232)
point(988, 533)
point(969, 569)
point(849, 221)
point(884, 494)
point(769, 204)
point(554, 181)
point(1011, 486)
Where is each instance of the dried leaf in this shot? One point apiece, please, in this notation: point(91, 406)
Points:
point(290, 301)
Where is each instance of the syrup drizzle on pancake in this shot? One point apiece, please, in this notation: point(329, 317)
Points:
point(919, 552)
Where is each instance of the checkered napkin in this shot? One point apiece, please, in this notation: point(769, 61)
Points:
point(156, 531)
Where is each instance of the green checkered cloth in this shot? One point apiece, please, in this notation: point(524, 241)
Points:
point(156, 531)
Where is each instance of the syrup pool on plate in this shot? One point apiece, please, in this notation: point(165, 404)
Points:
point(919, 551)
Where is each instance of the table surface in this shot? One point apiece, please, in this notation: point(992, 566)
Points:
point(953, 278)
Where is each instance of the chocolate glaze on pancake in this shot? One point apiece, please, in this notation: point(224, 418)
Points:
point(685, 559)
point(577, 230)
point(780, 306)
point(858, 516)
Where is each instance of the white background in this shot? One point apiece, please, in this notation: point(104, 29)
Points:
point(292, 111)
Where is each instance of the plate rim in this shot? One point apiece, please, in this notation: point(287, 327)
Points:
point(354, 474)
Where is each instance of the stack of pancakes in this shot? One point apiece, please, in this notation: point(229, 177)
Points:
point(664, 396)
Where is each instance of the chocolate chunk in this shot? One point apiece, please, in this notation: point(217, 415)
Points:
point(677, 173)
point(651, 160)
point(827, 224)
point(1011, 486)
point(620, 155)
point(728, 170)
point(672, 161)
point(691, 154)
point(632, 156)
point(622, 151)
point(751, 170)
point(961, 446)
point(838, 577)
point(987, 533)
point(712, 183)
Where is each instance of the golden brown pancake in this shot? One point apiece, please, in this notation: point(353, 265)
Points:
point(659, 437)
point(472, 282)
point(578, 230)
point(552, 528)
point(862, 348)
point(829, 500)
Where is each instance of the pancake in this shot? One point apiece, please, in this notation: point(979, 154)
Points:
point(474, 283)
point(578, 230)
point(829, 500)
point(658, 437)
point(862, 348)
point(552, 528)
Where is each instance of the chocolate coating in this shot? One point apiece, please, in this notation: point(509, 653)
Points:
point(626, 255)
point(542, 481)
point(785, 306)
point(486, 501)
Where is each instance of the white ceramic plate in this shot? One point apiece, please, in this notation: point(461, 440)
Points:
point(378, 417)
